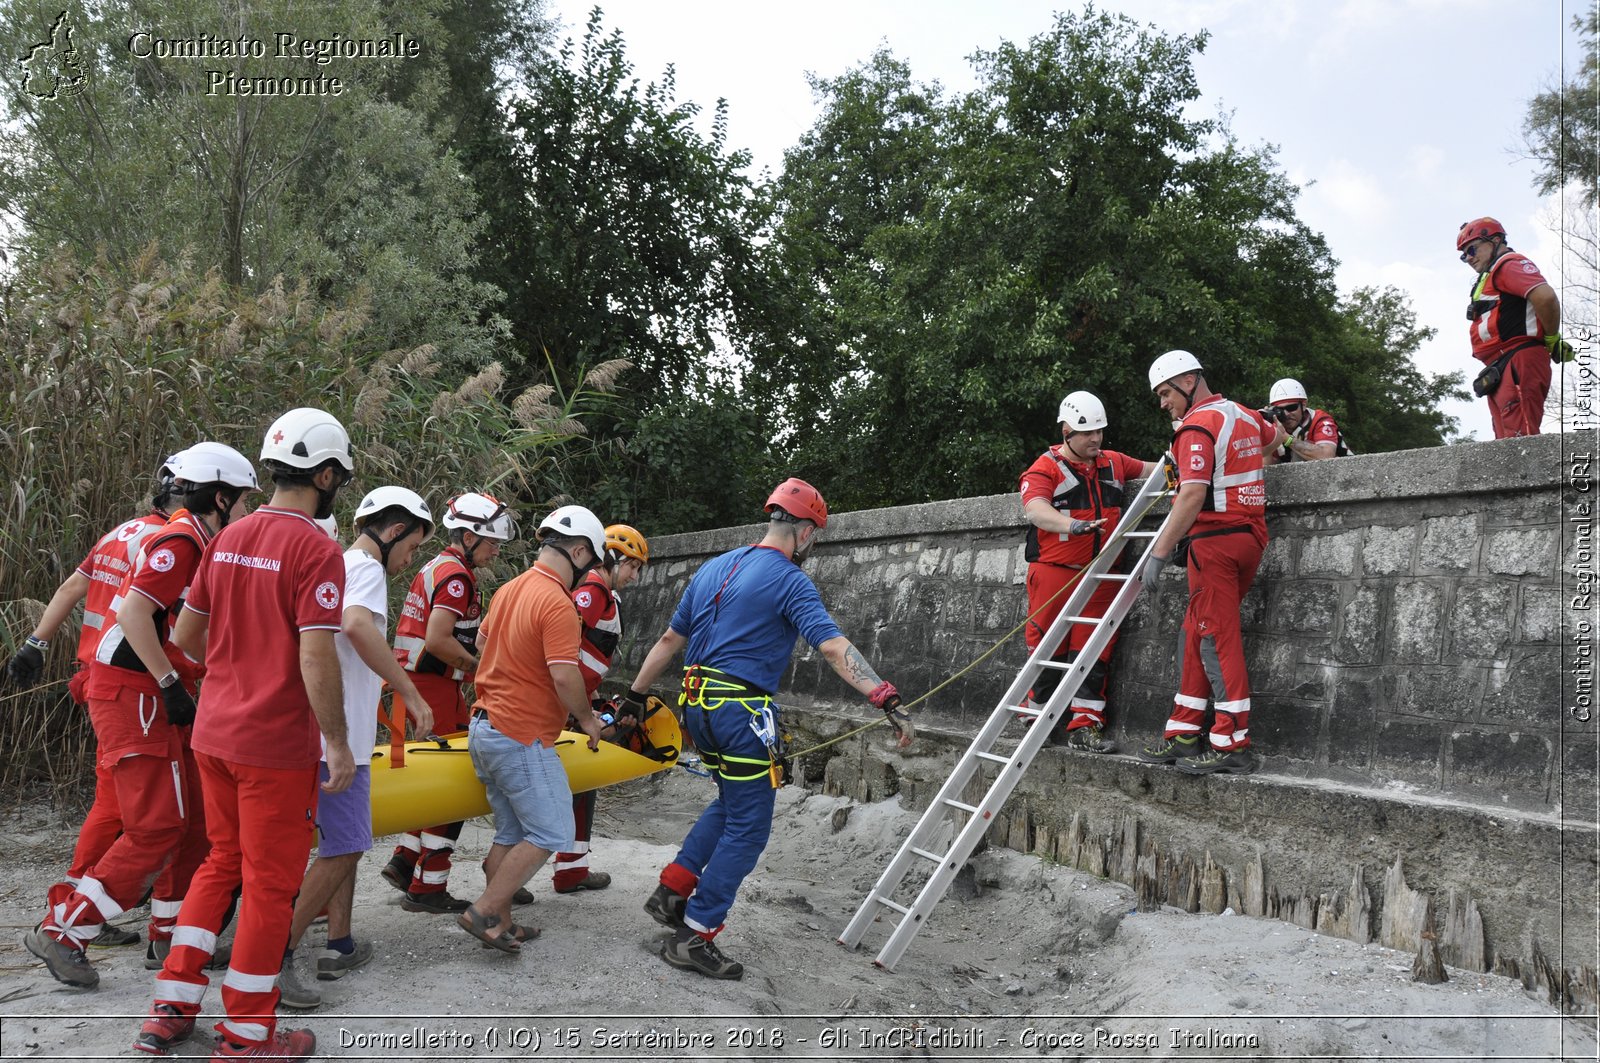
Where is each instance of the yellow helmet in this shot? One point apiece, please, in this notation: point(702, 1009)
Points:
point(626, 541)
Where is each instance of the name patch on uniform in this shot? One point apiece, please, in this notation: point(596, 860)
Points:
point(327, 595)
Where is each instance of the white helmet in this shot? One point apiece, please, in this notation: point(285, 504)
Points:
point(1082, 412)
point(381, 498)
point(483, 514)
point(305, 438)
point(576, 522)
point(210, 463)
point(1287, 390)
point(1172, 364)
point(329, 525)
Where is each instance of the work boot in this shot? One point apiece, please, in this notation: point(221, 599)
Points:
point(1230, 761)
point(398, 874)
point(165, 1028)
point(666, 907)
point(331, 963)
point(155, 955)
point(66, 963)
point(594, 880)
point(689, 950)
point(519, 898)
point(114, 937)
point(440, 903)
point(285, 1047)
point(1091, 740)
point(1171, 750)
point(293, 993)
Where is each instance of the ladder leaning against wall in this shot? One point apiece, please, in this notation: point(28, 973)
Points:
point(924, 847)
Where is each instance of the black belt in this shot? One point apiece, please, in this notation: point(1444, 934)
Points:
point(481, 714)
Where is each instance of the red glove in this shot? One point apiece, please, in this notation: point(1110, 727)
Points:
point(882, 693)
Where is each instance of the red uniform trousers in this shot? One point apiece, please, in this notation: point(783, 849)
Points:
point(572, 867)
point(1045, 588)
point(1516, 407)
point(1221, 569)
point(163, 839)
point(260, 822)
point(104, 821)
point(427, 852)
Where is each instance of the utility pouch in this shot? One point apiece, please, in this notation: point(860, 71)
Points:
point(1484, 383)
point(1180, 552)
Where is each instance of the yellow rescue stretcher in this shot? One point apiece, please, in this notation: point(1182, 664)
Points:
point(423, 782)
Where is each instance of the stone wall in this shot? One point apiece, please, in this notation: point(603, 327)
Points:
point(1419, 659)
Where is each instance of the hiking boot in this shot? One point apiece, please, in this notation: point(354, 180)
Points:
point(1171, 751)
point(440, 903)
point(692, 952)
point(155, 955)
point(114, 937)
point(1230, 761)
point(331, 963)
point(166, 1027)
point(398, 874)
point(666, 907)
point(293, 993)
point(66, 963)
point(1090, 740)
point(285, 1046)
point(594, 880)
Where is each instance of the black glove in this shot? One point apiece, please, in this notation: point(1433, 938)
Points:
point(180, 706)
point(632, 704)
point(26, 666)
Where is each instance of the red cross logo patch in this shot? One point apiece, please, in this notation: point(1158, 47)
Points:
point(277, 437)
point(327, 595)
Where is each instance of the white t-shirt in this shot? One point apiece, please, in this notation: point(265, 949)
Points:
point(365, 585)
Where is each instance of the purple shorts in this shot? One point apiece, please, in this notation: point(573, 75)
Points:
point(344, 820)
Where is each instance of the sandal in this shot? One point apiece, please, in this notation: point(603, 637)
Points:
point(478, 925)
point(517, 933)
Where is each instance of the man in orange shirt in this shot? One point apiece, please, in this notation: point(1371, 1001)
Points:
point(528, 683)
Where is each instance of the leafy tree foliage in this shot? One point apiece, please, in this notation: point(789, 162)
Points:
point(1563, 132)
point(956, 264)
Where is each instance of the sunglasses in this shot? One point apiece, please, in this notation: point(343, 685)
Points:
point(1472, 249)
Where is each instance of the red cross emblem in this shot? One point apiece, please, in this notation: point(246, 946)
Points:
point(277, 437)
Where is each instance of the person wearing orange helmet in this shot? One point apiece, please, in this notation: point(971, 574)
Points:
point(599, 606)
point(1515, 328)
point(736, 625)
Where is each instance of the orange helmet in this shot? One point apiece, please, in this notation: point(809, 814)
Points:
point(800, 500)
point(1478, 229)
point(626, 541)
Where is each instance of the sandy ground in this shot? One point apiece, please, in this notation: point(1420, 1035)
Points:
point(1023, 960)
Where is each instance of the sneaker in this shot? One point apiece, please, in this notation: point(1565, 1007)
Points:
point(692, 952)
point(285, 1046)
point(66, 963)
point(1171, 751)
point(398, 874)
point(441, 903)
point(331, 963)
point(1090, 740)
point(114, 937)
point(1231, 762)
point(155, 955)
point(594, 880)
point(166, 1027)
point(293, 993)
point(666, 907)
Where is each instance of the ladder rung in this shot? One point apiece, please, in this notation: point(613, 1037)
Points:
point(1114, 576)
point(997, 758)
point(1084, 619)
point(953, 803)
point(887, 903)
point(1026, 710)
point(1139, 535)
point(935, 857)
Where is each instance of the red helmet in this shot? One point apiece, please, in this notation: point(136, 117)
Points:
point(1478, 229)
point(800, 500)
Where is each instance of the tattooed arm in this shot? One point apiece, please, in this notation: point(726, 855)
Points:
point(850, 665)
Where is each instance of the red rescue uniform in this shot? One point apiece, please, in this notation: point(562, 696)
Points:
point(1316, 426)
point(447, 583)
point(1084, 491)
point(263, 581)
point(1503, 325)
point(597, 606)
point(1219, 444)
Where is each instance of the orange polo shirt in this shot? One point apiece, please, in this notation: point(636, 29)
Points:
point(531, 625)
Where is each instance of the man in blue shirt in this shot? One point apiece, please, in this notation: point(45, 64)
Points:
point(739, 619)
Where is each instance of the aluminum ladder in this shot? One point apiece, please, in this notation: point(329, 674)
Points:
point(924, 845)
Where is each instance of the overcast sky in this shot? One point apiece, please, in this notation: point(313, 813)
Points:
point(1399, 118)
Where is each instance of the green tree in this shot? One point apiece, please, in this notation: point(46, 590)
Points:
point(1563, 131)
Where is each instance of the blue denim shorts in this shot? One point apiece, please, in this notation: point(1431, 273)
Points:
point(527, 788)
point(344, 819)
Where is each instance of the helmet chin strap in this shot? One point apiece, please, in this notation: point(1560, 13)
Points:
point(384, 547)
point(577, 573)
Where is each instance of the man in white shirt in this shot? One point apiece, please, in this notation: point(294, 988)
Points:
point(391, 523)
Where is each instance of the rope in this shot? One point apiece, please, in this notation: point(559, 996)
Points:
point(986, 654)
